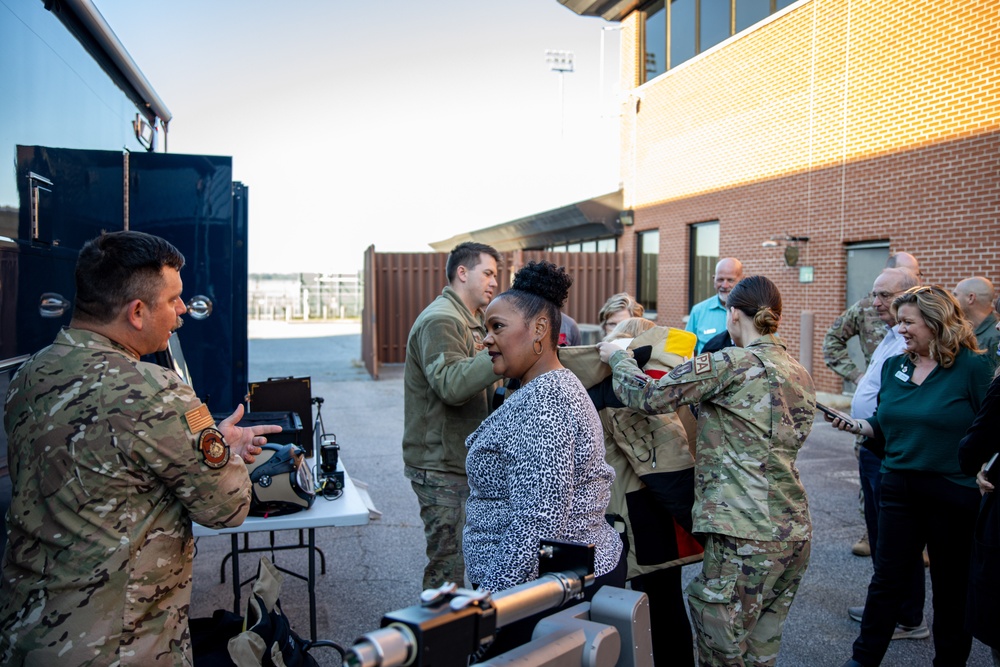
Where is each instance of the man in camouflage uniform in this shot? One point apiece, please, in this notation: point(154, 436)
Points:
point(862, 320)
point(756, 408)
point(445, 398)
point(111, 459)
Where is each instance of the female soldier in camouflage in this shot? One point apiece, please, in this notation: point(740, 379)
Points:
point(756, 406)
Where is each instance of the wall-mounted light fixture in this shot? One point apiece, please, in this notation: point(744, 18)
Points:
point(627, 218)
point(145, 133)
point(791, 246)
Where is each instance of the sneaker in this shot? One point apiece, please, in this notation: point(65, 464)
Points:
point(856, 613)
point(916, 632)
point(861, 547)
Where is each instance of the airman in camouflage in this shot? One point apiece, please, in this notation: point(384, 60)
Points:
point(111, 459)
point(445, 398)
point(756, 408)
point(861, 320)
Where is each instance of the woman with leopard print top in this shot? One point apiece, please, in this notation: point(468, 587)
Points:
point(536, 465)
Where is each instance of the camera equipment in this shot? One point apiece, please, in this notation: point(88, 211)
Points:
point(330, 480)
point(453, 623)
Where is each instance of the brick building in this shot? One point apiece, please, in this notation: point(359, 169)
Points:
point(867, 126)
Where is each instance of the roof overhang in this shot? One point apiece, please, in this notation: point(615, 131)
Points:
point(582, 221)
point(87, 24)
point(609, 10)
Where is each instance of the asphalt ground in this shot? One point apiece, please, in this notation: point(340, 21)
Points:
point(377, 568)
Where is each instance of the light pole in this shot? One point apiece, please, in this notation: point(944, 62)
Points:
point(560, 62)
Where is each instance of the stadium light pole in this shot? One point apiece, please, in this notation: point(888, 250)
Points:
point(560, 62)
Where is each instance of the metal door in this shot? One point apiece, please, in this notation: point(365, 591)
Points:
point(65, 197)
point(191, 201)
point(68, 196)
point(864, 262)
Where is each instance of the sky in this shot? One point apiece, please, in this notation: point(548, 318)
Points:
point(393, 124)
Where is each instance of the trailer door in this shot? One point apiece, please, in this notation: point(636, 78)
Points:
point(67, 196)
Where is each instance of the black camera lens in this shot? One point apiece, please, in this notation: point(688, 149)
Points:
point(328, 454)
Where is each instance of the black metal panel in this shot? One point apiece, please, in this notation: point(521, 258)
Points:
point(84, 198)
point(188, 200)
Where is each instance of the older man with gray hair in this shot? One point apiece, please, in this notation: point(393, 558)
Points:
point(976, 296)
point(708, 317)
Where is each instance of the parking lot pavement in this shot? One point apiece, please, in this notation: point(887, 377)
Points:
point(377, 568)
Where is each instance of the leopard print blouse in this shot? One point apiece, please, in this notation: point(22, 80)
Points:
point(537, 471)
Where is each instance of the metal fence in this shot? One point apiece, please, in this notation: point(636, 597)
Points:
point(398, 286)
point(305, 296)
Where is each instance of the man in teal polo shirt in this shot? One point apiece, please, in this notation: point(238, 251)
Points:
point(708, 318)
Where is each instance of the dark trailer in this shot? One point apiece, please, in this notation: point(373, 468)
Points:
point(81, 131)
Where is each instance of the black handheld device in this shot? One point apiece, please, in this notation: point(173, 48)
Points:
point(836, 414)
point(992, 469)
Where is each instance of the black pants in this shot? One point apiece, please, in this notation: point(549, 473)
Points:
point(920, 508)
point(911, 612)
point(673, 643)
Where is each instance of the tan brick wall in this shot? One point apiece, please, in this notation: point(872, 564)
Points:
point(841, 120)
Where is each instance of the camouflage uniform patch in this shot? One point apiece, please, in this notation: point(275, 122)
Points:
point(442, 499)
point(740, 600)
point(107, 478)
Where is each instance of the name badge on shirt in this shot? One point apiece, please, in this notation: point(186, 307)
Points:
point(710, 331)
point(902, 376)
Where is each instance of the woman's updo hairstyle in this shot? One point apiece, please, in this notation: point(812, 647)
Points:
point(540, 287)
point(757, 297)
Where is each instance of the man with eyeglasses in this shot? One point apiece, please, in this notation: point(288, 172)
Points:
point(862, 320)
point(975, 295)
point(889, 284)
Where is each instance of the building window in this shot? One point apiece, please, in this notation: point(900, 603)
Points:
point(685, 28)
point(715, 22)
point(704, 257)
point(649, 255)
point(595, 245)
point(682, 30)
point(656, 40)
point(749, 12)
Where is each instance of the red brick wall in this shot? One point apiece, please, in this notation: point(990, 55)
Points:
point(839, 120)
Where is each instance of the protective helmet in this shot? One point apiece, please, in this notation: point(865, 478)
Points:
point(282, 481)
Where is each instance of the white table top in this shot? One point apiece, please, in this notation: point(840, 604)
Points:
point(347, 510)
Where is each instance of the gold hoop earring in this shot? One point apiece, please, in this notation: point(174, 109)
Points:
point(538, 352)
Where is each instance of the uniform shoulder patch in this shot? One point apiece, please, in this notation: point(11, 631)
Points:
point(199, 418)
point(702, 364)
point(681, 370)
point(213, 448)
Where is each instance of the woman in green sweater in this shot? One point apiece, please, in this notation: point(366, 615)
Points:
point(928, 398)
